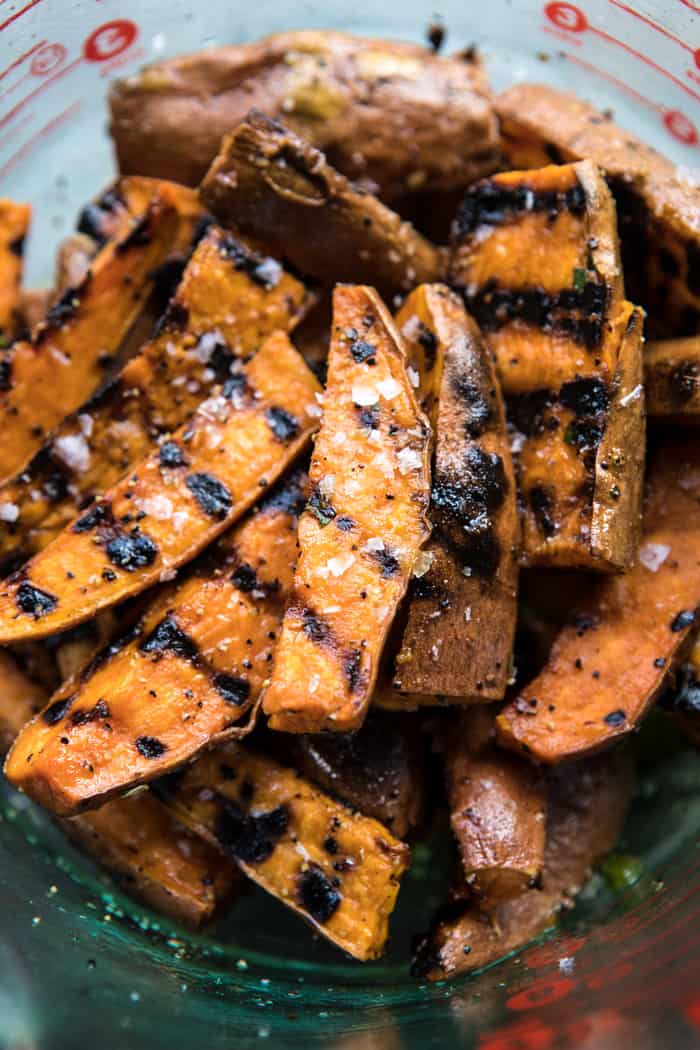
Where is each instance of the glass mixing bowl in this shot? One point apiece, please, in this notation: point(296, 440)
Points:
point(79, 960)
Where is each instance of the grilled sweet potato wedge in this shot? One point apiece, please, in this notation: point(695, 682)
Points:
point(34, 304)
point(177, 500)
point(658, 209)
point(458, 638)
point(585, 810)
point(497, 811)
point(672, 380)
point(378, 770)
point(339, 870)
point(271, 184)
point(110, 214)
point(391, 114)
point(66, 358)
point(229, 299)
point(188, 676)
point(136, 838)
point(363, 527)
point(608, 664)
point(536, 258)
point(14, 225)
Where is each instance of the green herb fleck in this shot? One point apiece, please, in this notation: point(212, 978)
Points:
point(322, 508)
point(621, 870)
point(569, 437)
point(580, 277)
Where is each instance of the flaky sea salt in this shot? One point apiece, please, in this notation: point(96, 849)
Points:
point(409, 460)
point(326, 485)
point(653, 555)
point(158, 507)
point(373, 544)
point(9, 512)
point(413, 377)
point(389, 388)
point(422, 564)
point(364, 395)
point(86, 423)
point(74, 451)
point(340, 564)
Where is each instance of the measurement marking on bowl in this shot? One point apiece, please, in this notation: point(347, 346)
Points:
point(614, 80)
point(37, 90)
point(651, 23)
point(18, 14)
point(22, 152)
point(22, 58)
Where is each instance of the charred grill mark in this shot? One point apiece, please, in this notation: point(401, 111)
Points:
point(150, 746)
point(351, 669)
point(462, 508)
point(213, 497)
point(317, 894)
point(363, 352)
point(167, 637)
point(684, 619)
point(220, 356)
point(5, 372)
point(235, 388)
point(245, 578)
point(542, 505)
point(108, 392)
point(175, 319)
point(94, 216)
point(577, 312)
point(684, 381)
point(425, 587)
point(491, 204)
point(528, 412)
point(585, 397)
point(476, 404)
point(171, 455)
point(315, 628)
point(100, 514)
point(131, 552)
point(138, 236)
point(261, 269)
point(94, 714)
point(33, 601)
point(64, 308)
point(57, 710)
point(388, 562)
point(288, 497)
point(428, 342)
point(247, 837)
point(234, 689)
point(283, 424)
point(321, 507)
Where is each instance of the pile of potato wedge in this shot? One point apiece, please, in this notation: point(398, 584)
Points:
point(348, 473)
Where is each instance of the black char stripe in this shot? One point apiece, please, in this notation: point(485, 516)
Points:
point(211, 494)
point(175, 318)
point(33, 601)
point(317, 894)
point(57, 710)
point(585, 397)
point(247, 837)
point(64, 307)
point(261, 269)
point(5, 373)
point(17, 246)
point(233, 689)
point(171, 455)
point(167, 637)
point(131, 552)
point(138, 236)
point(150, 746)
point(100, 514)
point(283, 424)
point(314, 627)
point(83, 717)
point(244, 578)
point(493, 204)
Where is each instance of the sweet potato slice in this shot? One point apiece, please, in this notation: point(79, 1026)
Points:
point(389, 113)
point(229, 299)
point(378, 770)
point(339, 870)
point(270, 184)
point(363, 527)
point(188, 676)
point(458, 638)
point(65, 360)
point(658, 208)
point(608, 664)
point(672, 380)
point(108, 216)
point(176, 501)
point(536, 257)
point(136, 838)
point(14, 225)
point(34, 304)
point(497, 811)
point(585, 810)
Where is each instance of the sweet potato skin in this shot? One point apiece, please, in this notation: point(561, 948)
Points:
point(379, 770)
point(362, 530)
point(65, 360)
point(187, 677)
point(586, 807)
point(271, 184)
point(338, 870)
point(497, 812)
point(568, 348)
point(672, 380)
point(608, 664)
point(658, 209)
point(14, 225)
point(228, 301)
point(391, 114)
point(458, 637)
point(208, 474)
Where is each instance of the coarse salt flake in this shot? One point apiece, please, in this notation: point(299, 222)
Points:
point(373, 545)
point(73, 450)
point(340, 564)
point(422, 564)
point(389, 388)
point(364, 394)
point(326, 485)
point(413, 377)
point(653, 555)
point(632, 396)
point(409, 460)
point(86, 423)
point(9, 512)
point(158, 507)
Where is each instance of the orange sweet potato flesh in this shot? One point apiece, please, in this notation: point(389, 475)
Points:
point(658, 208)
point(537, 258)
point(672, 380)
point(607, 666)
point(136, 838)
point(458, 637)
point(268, 183)
point(14, 224)
point(390, 113)
point(339, 870)
point(362, 530)
point(586, 805)
point(497, 811)
point(188, 676)
point(175, 502)
point(66, 358)
point(228, 301)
